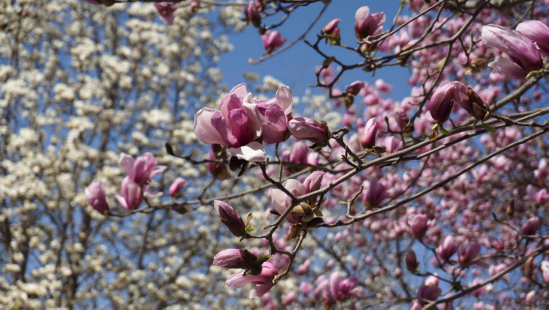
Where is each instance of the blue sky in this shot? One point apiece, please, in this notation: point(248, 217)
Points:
point(295, 67)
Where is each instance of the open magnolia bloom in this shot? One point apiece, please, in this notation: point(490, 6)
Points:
point(263, 282)
point(239, 124)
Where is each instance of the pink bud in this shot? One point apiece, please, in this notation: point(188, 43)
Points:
point(166, 10)
point(411, 261)
point(428, 293)
point(332, 27)
point(234, 258)
point(419, 225)
point(299, 153)
point(447, 248)
point(96, 196)
point(230, 218)
point(531, 226)
point(375, 192)
point(545, 271)
point(369, 133)
point(354, 88)
point(529, 298)
point(366, 24)
point(443, 99)
point(272, 40)
point(313, 181)
point(177, 186)
point(252, 14)
point(468, 252)
point(303, 128)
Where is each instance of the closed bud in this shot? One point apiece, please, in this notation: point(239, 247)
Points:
point(230, 218)
point(303, 128)
point(354, 88)
point(531, 226)
point(235, 258)
point(443, 99)
point(97, 197)
point(369, 133)
point(419, 225)
point(411, 261)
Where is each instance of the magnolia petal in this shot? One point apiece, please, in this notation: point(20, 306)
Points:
point(284, 99)
point(260, 290)
point(121, 201)
point(254, 152)
point(204, 129)
point(254, 118)
point(126, 162)
point(508, 67)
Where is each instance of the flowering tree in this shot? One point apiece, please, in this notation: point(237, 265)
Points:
point(133, 177)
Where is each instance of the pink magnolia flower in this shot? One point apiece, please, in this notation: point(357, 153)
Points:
point(444, 97)
point(262, 282)
point(366, 24)
point(230, 218)
point(132, 194)
point(411, 261)
point(467, 253)
point(313, 181)
point(523, 54)
point(166, 10)
point(369, 133)
point(303, 128)
point(272, 40)
point(374, 192)
point(235, 127)
point(142, 169)
point(177, 186)
point(447, 248)
point(536, 31)
point(252, 13)
point(419, 225)
point(427, 293)
point(341, 288)
point(392, 144)
point(97, 197)
point(332, 27)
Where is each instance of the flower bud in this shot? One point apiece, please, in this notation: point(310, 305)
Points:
point(411, 261)
point(313, 181)
point(252, 14)
point(235, 258)
point(299, 153)
point(96, 196)
point(366, 24)
point(447, 248)
point(531, 226)
point(530, 297)
point(419, 225)
point(230, 218)
point(303, 128)
point(354, 88)
point(272, 40)
point(468, 252)
point(368, 137)
point(332, 32)
point(443, 99)
point(176, 187)
point(427, 293)
point(166, 10)
point(132, 194)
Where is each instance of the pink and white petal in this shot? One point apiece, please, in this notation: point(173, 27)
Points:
point(203, 128)
point(230, 102)
point(121, 201)
point(508, 67)
point(253, 152)
point(126, 162)
point(157, 170)
point(240, 91)
point(259, 290)
point(284, 99)
point(254, 119)
point(227, 137)
point(238, 280)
